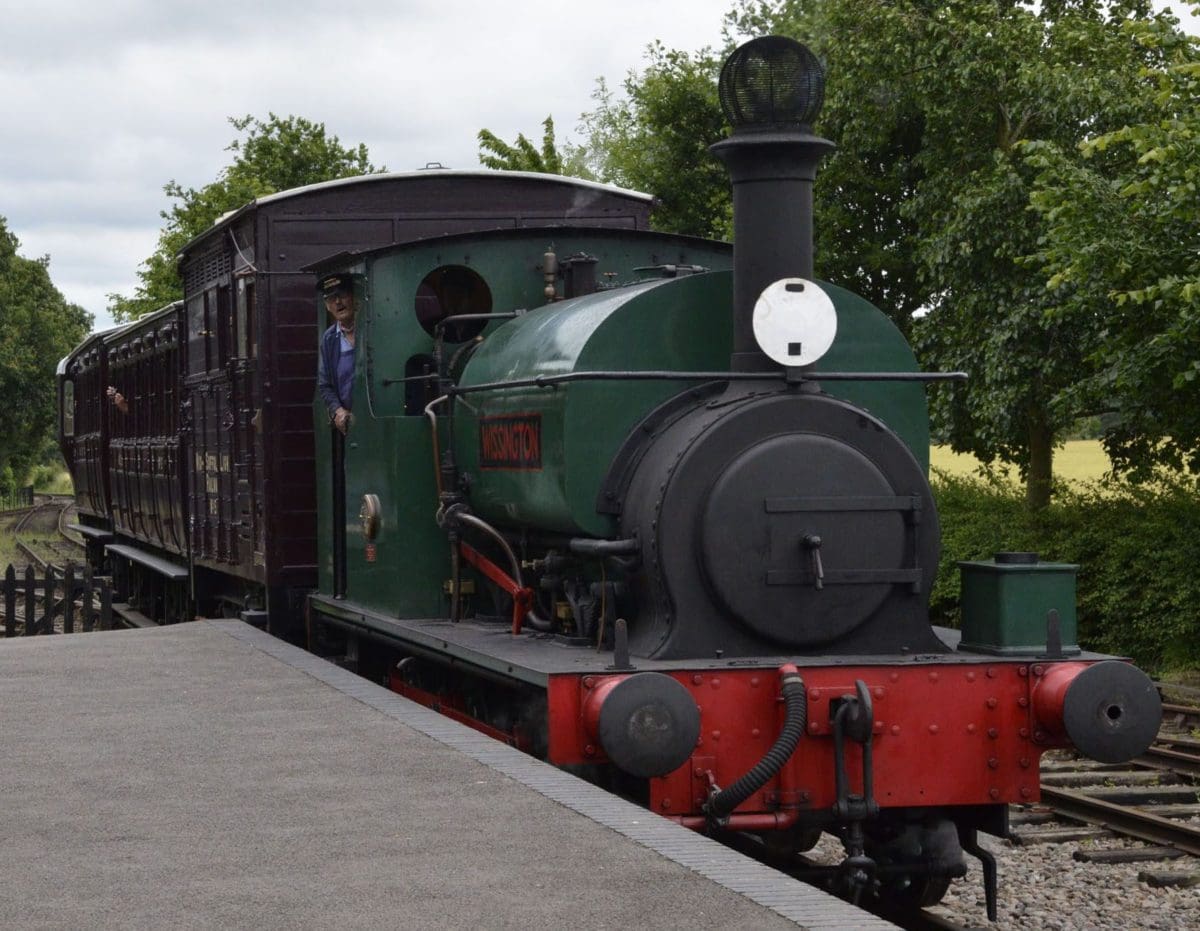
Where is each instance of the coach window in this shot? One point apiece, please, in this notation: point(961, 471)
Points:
point(68, 408)
point(197, 335)
point(449, 291)
point(245, 319)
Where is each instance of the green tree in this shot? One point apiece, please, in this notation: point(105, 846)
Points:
point(864, 238)
point(655, 138)
point(1003, 78)
point(37, 328)
point(275, 155)
point(926, 205)
point(1121, 252)
point(522, 155)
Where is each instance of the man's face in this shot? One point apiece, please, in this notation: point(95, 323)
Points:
point(341, 305)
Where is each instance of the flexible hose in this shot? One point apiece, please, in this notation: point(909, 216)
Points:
point(795, 698)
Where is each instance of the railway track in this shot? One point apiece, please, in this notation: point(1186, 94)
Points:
point(1180, 717)
point(1153, 801)
point(40, 533)
point(51, 554)
point(44, 545)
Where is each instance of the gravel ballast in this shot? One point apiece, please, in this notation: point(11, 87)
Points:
point(1042, 887)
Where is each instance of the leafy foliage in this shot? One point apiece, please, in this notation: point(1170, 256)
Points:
point(276, 155)
point(1137, 587)
point(926, 205)
point(656, 137)
point(37, 328)
point(1121, 251)
point(522, 155)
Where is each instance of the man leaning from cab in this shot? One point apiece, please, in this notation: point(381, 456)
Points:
point(335, 368)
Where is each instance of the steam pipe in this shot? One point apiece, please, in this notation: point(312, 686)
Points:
point(585, 546)
point(551, 381)
point(437, 456)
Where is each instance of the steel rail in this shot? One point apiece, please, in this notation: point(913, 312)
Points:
point(32, 554)
point(1184, 711)
point(34, 509)
point(1123, 819)
point(1167, 758)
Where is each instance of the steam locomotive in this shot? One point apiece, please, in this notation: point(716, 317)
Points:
point(649, 508)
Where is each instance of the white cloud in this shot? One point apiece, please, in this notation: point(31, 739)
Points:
point(104, 102)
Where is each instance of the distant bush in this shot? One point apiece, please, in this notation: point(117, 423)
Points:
point(8, 482)
point(42, 476)
point(1137, 549)
point(51, 478)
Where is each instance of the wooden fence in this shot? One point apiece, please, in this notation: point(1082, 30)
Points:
point(54, 595)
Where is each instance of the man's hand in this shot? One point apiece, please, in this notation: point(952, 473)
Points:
point(118, 399)
point(341, 419)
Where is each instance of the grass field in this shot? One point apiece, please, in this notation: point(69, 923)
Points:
point(1074, 461)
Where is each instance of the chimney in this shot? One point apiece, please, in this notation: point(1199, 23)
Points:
point(771, 91)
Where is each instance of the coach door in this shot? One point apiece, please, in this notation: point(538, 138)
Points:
point(247, 417)
point(210, 406)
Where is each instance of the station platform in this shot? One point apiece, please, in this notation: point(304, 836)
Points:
point(209, 775)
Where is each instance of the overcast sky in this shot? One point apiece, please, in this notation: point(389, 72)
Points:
point(104, 101)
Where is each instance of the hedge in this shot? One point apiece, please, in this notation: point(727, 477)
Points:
point(1138, 551)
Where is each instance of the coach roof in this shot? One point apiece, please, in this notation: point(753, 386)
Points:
point(227, 218)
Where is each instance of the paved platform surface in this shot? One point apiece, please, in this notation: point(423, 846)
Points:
point(209, 776)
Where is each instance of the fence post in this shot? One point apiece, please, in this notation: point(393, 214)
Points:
point(30, 604)
point(69, 599)
point(47, 624)
point(89, 622)
point(10, 602)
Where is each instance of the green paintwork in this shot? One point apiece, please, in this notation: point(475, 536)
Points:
point(1004, 606)
point(389, 456)
point(867, 341)
point(681, 324)
point(389, 453)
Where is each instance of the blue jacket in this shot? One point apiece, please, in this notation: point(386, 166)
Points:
point(327, 366)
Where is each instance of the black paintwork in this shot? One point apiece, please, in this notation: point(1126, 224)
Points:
point(722, 502)
point(491, 649)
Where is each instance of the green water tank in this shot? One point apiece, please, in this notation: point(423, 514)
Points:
point(1006, 604)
